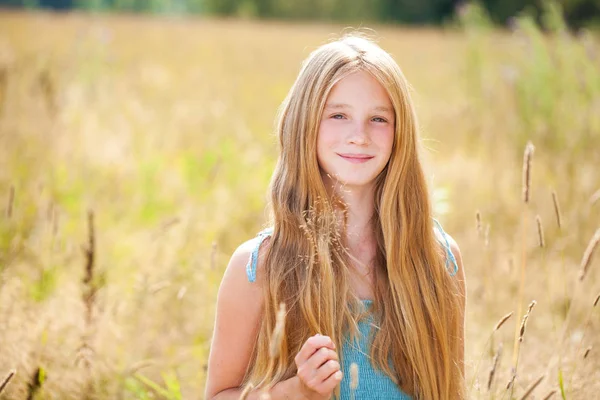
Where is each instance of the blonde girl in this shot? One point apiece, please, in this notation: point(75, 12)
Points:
point(367, 276)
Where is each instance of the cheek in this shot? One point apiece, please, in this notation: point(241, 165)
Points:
point(326, 138)
point(327, 133)
point(385, 140)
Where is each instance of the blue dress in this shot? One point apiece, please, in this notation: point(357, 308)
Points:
point(372, 383)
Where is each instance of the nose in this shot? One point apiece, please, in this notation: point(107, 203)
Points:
point(359, 135)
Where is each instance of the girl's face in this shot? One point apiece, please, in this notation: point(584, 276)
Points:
point(356, 132)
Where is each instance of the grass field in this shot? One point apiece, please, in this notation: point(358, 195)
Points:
point(135, 154)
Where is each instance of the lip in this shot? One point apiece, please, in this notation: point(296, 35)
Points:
point(356, 158)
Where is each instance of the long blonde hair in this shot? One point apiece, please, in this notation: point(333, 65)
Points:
point(306, 262)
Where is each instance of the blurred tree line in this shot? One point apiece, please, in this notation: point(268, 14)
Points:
point(577, 12)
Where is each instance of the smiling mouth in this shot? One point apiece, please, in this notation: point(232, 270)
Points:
point(356, 158)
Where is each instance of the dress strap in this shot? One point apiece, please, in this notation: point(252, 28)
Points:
point(253, 261)
point(449, 256)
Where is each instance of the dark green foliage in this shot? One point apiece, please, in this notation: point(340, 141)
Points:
point(577, 12)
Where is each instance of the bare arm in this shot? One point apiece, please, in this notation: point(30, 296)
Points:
point(239, 309)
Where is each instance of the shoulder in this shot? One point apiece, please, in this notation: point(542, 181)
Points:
point(455, 249)
point(244, 262)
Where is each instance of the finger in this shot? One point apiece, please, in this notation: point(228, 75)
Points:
point(326, 370)
point(320, 357)
point(328, 385)
point(311, 345)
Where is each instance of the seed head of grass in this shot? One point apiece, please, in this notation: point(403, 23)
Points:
point(524, 322)
point(595, 197)
point(353, 376)
point(502, 321)
point(540, 231)
point(557, 209)
point(587, 352)
point(588, 254)
point(527, 156)
point(275, 344)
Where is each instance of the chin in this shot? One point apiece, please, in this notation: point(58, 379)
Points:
point(354, 181)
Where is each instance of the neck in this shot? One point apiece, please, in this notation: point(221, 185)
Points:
point(360, 205)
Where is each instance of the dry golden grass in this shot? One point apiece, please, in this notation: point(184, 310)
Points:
point(163, 127)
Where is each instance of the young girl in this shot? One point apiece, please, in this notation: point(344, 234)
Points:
point(366, 275)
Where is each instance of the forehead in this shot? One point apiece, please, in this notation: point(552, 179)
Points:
point(358, 87)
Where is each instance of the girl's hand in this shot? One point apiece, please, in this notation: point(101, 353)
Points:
point(318, 368)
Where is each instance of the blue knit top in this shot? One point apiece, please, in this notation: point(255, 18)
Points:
point(372, 383)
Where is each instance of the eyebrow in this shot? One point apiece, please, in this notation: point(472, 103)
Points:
point(337, 106)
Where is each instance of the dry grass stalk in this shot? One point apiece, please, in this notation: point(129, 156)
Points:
point(527, 156)
point(588, 254)
point(353, 376)
point(495, 364)
point(513, 376)
point(275, 344)
point(550, 394)
point(597, 300)
point(478, 222)
point(353, 380)
point(10, 202)
point(502, 321)
point(4, 383)
point(532, 387)
point(86, 351)
point(557, 209)
point(524, 322)
point(540, 231)
point(595, 197)
point(88, 279)
point(587, 352)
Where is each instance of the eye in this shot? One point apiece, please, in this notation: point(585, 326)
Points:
point(379, 119)
point(338, 116)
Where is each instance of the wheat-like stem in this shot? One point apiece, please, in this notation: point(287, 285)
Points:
point(511, 384)
point(527, 158)
point(595, 197)
point(540, 231)
point(550, 394)
point(500, 322)
point(6, 380)
point(353, 380)
point(586, 261)
point(495, 364)
point(586, 325)
point(557, 209)
point(532, 387)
